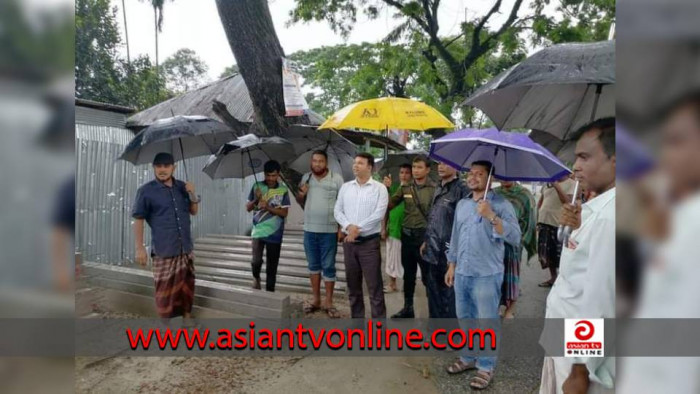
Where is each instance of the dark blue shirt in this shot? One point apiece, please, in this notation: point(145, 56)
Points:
point(167, 212)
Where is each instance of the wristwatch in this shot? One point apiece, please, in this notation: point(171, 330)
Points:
point(493, 219)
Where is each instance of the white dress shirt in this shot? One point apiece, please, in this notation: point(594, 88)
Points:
point(669, 290)
point(585, 287)
point(362, 205)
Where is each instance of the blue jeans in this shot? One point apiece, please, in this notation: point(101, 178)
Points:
point(478, 298)
point(320, 251)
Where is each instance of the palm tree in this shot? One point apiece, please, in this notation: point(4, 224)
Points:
point(126, 33)
point(157, 20)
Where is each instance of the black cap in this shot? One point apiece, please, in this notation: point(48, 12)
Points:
point(163, 158)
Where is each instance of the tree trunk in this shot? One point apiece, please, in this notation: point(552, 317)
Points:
point(253, 40)
point(155, 25)
point(126, 34)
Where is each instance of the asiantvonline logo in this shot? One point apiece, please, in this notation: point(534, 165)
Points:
point(584, 337)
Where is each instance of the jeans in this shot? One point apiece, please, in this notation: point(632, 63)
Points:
point(320, 251)
point(441, 298)
point(411, 260)
point(478, 298)
point(273, 259)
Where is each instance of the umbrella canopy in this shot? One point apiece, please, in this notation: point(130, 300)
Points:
point(393, 162)
point(181, 136)
point(247, 156)
point(558, 89)
point(306, 140)
point(388, 113)
point(564, 150)
point(515, 156)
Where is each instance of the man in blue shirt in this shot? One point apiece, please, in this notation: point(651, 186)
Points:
point(475, 260)
point(166, 205)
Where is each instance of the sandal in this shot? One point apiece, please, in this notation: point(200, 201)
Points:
point(460, 366)
point(332, 313)
point(546, 284)
point(481, 380)
point(389, 289)
point(310, 308)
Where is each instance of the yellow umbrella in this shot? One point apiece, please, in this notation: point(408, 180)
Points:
point(388, 113)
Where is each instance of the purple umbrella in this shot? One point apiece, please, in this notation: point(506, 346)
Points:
point(515, 156)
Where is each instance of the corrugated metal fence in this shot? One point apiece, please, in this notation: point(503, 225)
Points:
point(106, 187)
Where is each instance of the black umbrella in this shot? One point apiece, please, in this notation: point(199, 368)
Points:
point(558, 89)
point(392, 164)
point(181, 136)
point(247, 156)
point(341, 152)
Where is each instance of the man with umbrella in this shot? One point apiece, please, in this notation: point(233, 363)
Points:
point(585, 287)
point(317, 194)
point(270, 201)
point(418, 196)
point(166, 205)
point(441, 298)
point(483, 223)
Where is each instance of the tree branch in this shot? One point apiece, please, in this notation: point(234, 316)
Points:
point(428, 54)
point(239, 128)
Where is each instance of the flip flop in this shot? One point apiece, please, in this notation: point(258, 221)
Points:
point(332, 313)
point(546, 284)
point(481, 380)
point(311, 308)
point(460, 366)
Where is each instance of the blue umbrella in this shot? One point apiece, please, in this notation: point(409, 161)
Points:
point(515, 156)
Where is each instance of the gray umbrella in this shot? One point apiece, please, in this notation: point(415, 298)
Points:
point(247, 156)
point(181, 136)
point(564, 150)
point(341, 152)
point(558, 89)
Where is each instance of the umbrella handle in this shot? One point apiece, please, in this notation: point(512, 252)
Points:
point(564, 232)
point(182, 155)
point(488, 185)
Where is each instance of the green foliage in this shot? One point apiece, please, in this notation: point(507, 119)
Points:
point(573, 21)
point(141, 85)
point(228, 71)
point(100, 74)
point(96, 42)
point(441, 71)
point(184, 70)
point(41, 48)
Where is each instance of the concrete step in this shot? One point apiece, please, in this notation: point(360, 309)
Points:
point(247, 251)
point(292, 270)
point(208, 294)
point(246, 242)
point(246, 279)
point(237, 258)
point(292, 239)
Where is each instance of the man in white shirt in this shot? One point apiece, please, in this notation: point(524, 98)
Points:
point(669, 286)
point(585, 287)
point(359, 210)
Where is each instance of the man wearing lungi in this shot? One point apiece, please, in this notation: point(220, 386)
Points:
point(166, 204)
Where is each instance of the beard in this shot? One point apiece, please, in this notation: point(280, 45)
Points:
point(321, 172)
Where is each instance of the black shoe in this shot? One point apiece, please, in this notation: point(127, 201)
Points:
point(256, 284)
point(405, 313)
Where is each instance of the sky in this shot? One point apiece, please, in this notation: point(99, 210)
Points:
point(195, 24)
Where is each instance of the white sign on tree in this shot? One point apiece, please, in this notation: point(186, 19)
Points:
point(294, 102)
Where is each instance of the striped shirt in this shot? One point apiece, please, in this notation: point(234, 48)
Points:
point(362, 205)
